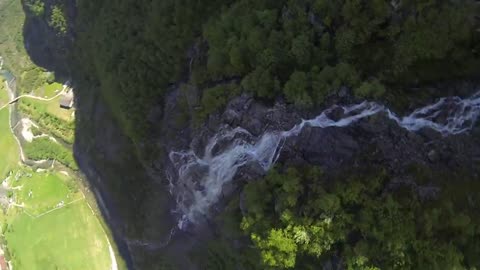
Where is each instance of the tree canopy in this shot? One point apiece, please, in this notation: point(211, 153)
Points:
point(298, 219)
point(302, 50)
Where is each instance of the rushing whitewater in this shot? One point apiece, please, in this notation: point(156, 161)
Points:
point(199, 182)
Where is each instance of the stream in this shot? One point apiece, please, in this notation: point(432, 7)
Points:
point(199, 180)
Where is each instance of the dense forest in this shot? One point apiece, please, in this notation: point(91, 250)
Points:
point(296, 217)
point(134, 50)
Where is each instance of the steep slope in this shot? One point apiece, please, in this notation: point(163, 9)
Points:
point(155, 77)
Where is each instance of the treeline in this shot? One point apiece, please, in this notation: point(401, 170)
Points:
point(303, 50)
point(59, 128)
point(134, 49)
point(54, 13)
point(46, 149)
point(306, 50)
point(299, 220)
point(34, 78)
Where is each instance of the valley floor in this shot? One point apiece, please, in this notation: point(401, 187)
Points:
point(46, 220)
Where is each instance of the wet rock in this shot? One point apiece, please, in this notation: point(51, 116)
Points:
point(414, 137)
point(255, 126)
point(336, 114)
point(243, 204)
point(199, 142)
point(251, 171)
point(199, 187)
point(376, 125)
point(214, 121)
point(229, 188)
point(231, 117)
point(327, 146)
point(343, 92)
point(290, 155)
point(253, 120)
point(430, 134)
point(386, 147)
point(240, 103)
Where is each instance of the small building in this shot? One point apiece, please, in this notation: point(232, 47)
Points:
point(66, 102)
point(3, 263)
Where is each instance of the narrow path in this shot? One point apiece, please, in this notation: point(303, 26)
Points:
point(11, 96)
point(46, 212)
point(13, 100)
point(112, 256)
point(31, 97)
point(57, 208)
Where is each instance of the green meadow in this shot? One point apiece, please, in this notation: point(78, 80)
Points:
point(69, 238)
point(48, 223)
point(49, 90)
point(44, 191)
point(9, 152)
point(54, 228)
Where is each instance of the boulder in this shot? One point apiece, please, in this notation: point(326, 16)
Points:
point(326, 146)
point(433, 156)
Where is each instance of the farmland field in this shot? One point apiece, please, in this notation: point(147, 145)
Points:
point(51, 107)
point(46, 221)
point(43, 191)
point(8, 146)
point(3, 93)
point(69, 238)
point(49, 90)
point(54, 227)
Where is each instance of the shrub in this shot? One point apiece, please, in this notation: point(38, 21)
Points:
point(37, 7)
point(372, 89)
point(58, 20)
point(45, 148)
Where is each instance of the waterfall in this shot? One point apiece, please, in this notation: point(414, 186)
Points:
point(199, 182)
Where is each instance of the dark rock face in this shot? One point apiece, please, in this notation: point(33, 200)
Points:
point(374, 140)
point(326, 146)
point(134, 191)
point(135, 203)
point(46, 47)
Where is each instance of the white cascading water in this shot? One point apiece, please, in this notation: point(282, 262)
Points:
point(199, 182)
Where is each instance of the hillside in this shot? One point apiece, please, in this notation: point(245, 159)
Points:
point(188, 125)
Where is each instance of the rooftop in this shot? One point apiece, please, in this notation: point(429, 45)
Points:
point(66, 101)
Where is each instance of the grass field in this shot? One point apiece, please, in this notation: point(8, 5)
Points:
point(49, 90)
point(52, 107)
point(43, 191)
point(68, 236)
point(3, 93)
point(9, 152)
point(52, 225)
point(50, 117)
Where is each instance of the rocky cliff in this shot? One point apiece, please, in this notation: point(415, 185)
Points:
point(131, 177)
point(134, 193)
